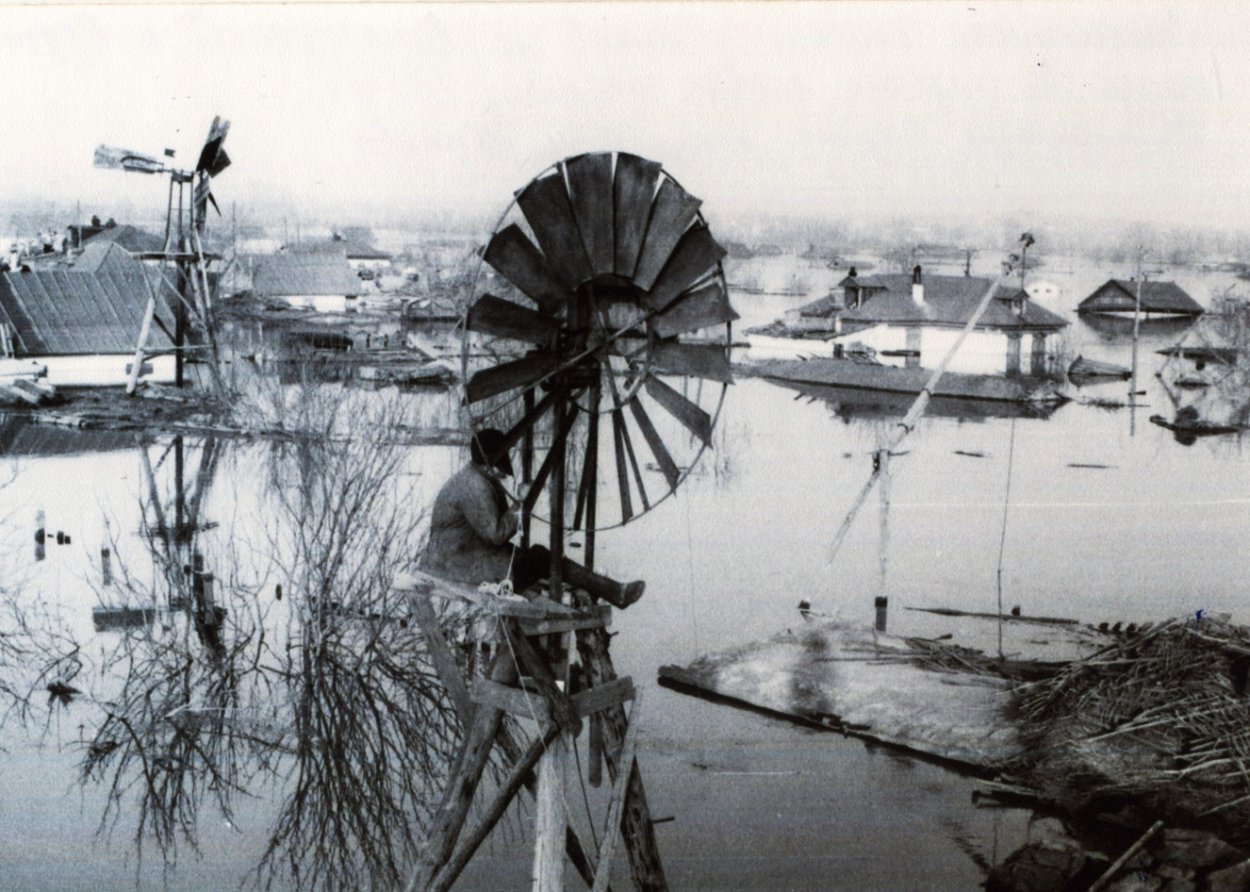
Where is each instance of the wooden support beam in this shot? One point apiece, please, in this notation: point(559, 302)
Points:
point(596, 617)
point(440, 653)
point(639, 835)
point(534, 705)
point(624, 758)
point(462, 784)
point(541, 609)
point(521, 775)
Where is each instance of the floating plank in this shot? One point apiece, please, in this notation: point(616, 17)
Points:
point(692, 418)
point(590, 188)
point(700, 360)
point(632, 194)
point(703, 307)
point(671, 215)
point(545, 204)
point(694, 256)
point(516, 258)
point(502, 318)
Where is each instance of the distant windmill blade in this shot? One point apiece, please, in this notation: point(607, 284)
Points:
point(518, 373)
point(696, 254)
point(213, 159)
point(495, 316)
point(703, 307)
point(697, 360)
point(590, 188)
point(546, 206)
point(515, 257)
point(673, 212)
point(632, 194)
point(111, 158)
point(690, 415)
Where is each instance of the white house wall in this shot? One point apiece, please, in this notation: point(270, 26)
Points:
point(104, 370)
point(982, 353)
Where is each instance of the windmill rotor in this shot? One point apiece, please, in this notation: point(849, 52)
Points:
point(213, 160)
point(597, 337)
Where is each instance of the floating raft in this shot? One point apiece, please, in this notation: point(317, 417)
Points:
point(893, 379)
point(941, 701)
point(1083, 369)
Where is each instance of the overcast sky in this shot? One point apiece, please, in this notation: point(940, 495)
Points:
point(959, 110)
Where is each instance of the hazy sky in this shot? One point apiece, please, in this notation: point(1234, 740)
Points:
point(955, 110)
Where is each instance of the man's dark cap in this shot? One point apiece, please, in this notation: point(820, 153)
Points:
point(487, 444)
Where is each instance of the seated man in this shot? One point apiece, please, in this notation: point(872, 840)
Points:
point(472, 524)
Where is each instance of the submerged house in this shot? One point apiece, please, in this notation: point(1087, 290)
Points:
point(821, 315)
point(1119, 297)
point(83, 321)
point(315, 281)
point(913, 320)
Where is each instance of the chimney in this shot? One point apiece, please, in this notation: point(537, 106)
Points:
point(917, 286)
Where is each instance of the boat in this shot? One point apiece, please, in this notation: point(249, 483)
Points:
point(1083, 369)
point(868, 375)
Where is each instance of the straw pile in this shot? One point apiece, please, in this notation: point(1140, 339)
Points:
point(1160, 720)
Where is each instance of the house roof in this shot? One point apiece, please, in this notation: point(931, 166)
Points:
point(1156, 297)
point(288, 275)
point(347, 247)
point(822, 306)
point(949, 300)
point(131, 238)
point(83, 310)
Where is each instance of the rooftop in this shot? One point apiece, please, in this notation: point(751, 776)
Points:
point(948, 300)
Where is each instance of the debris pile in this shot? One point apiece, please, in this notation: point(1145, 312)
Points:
point(1159, 721)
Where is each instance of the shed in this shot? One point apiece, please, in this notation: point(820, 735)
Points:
point(314, 281)
point(1119, 296)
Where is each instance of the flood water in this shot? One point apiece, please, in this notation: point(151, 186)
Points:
point(1108, 517)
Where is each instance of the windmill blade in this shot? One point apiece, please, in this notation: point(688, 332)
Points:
point(658, 449)
point(518, 430)
point(518, 260)
point(546, 207)
point(697, 253)
point(590, 188)
point(632, 193)
point(589, 486)
point(544, 470)
point(510, 375)
point(502, 318)
point(622, 471)
point(699, 360)
point(692, 418)
point(671, 215)
point(213, 159)
point(112, 158)
point(703, 307)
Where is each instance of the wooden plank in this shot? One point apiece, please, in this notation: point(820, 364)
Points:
point(514, 701)
point(571, 624)
point(603, 696)
point(617, 804)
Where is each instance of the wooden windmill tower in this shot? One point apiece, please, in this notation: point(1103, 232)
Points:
point(598, 327)
point(186, 213)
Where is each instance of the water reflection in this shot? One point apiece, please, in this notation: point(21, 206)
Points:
point(268, 669)
point(850, 404)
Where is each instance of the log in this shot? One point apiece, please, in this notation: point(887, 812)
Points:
point(1118, 864)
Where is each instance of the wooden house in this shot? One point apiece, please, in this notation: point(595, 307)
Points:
point(83, 321)
point(314, 280)
point(913, 320)
point(1119, 297)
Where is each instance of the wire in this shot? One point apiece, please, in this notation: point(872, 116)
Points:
point(1002, 540)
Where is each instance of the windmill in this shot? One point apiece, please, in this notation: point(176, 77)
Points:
point(597, 338)
point(186, 213)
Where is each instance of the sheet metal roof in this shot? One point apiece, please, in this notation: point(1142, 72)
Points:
point(131, 238)
point(949, 300)
point(288, 275)
point(75, 311)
